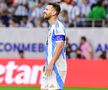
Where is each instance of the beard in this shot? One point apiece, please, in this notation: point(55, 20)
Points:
point(46, 17)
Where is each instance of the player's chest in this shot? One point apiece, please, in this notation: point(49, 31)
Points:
point(50, 34)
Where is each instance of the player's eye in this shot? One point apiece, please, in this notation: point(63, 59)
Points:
point(46, 9)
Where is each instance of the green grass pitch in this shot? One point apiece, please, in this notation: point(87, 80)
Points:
point(37, 88)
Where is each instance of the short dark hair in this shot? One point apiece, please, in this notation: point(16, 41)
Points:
point(84, 38)
point(56, 7)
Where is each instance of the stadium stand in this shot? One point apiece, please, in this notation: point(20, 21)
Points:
point(74, 13)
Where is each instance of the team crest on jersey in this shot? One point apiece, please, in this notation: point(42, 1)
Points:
point(49, 36)
point(52, 86)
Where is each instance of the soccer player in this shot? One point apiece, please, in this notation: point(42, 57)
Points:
point(54, 72)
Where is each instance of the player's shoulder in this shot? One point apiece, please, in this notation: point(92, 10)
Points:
point(59, 28)
point(58, 24)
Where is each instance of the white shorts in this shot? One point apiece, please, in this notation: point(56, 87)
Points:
point(50, 83)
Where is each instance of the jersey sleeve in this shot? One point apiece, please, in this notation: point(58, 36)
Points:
point(59, 33)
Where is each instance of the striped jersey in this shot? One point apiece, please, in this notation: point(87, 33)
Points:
point(56, 33)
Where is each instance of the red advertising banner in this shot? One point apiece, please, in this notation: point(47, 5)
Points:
point(87, 73)
point(20, 72)
point(81, 73)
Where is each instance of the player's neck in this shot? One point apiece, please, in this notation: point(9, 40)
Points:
point(52, 20)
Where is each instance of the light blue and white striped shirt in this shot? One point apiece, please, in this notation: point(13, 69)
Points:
point(56, 33)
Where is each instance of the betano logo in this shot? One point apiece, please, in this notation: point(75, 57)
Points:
point(19, 74)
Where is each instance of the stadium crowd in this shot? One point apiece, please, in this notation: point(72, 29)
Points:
point(29, 13)
point(84, 50)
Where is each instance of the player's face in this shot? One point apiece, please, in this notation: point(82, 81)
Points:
point(48, 12)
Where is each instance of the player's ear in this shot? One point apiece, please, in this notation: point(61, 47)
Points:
point(54, 12)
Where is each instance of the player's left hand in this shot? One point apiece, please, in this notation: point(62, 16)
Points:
point(49, 69)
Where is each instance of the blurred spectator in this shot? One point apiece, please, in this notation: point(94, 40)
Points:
point(9, 2)
point(85, 8)
point(64, 18)
point(37, 13)
point(74, 14)
point(86, 49)
point(11, 10)
point(25, 22)
point(23, 2)
point(32, 3)
point(3, 6)
point(66, 7)
point(4, 18)
point(103, 55)
point(68, 48)
point(98, 11)
point(78, 53)
point(92, 1)
point(21, 9)
point(1, 24)
point(21, 53)
point(13, 23)
point(106, 6)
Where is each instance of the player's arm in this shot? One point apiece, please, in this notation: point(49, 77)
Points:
point(59, 47)
point(60, 39)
